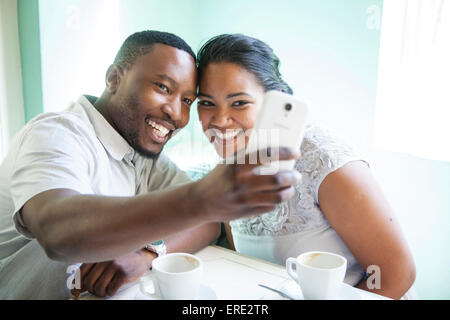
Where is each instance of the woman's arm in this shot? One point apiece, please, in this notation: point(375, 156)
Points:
point(353, 203)
point(229, 235)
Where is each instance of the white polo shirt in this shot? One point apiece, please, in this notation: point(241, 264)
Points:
point(74, 149)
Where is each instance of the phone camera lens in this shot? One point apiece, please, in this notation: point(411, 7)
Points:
point(288, 107)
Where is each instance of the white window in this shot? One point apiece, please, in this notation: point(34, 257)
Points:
point(413, 99)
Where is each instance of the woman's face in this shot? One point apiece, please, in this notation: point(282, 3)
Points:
point(228, 102)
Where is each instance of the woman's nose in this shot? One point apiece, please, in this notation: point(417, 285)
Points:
point(221, 119)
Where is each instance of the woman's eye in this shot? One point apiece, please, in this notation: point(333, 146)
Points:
point(240, 103)
point(205, 103)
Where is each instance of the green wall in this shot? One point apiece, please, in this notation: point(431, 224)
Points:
point(12, 116)
point(30, 51)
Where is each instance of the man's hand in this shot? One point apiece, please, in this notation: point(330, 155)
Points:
point(105, 278)
point(232, 191)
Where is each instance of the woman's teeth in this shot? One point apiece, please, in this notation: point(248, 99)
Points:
point(229, 134)
point(160, 130)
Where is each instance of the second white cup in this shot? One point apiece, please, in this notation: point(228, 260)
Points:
point(319, 274)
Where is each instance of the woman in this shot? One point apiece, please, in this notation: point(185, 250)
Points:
point(338, 206)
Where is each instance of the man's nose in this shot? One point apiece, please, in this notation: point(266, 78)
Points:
point(174, 110)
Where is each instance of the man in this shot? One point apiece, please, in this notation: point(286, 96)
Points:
point(89, 184)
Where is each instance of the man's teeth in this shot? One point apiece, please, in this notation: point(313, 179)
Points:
point(229, 134)
point(160, 130)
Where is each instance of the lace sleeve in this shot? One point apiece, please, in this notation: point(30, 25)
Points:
point(323, 152)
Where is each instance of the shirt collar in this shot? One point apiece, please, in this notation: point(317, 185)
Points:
point(111, 140)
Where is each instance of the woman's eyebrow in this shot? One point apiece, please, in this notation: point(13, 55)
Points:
point(200, 94)
point(232, 95)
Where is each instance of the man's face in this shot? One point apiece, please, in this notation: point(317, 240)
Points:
point(154, 97)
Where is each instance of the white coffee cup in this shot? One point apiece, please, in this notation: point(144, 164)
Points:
point(175, 276)
point(319, 274)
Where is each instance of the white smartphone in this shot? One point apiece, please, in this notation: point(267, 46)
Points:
point(281, 122)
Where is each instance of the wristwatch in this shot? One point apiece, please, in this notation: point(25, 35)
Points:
point(157, 247)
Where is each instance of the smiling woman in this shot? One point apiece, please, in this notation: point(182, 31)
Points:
point(338, 206)
point(227, 130)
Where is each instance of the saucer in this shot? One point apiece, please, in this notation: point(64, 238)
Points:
point(292, 289)
point(204, 293)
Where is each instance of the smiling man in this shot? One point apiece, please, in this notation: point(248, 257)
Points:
point(90, 184)
point(154, 98)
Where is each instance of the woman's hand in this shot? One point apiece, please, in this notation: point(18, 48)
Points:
point(105, 278)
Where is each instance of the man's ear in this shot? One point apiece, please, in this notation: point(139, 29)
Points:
point(113, 77)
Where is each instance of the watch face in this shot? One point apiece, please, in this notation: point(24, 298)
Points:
point(158, 243)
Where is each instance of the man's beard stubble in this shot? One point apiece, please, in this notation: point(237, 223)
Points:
point(128, 110)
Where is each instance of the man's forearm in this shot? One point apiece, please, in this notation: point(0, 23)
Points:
point(92, 228)
point(88, 228)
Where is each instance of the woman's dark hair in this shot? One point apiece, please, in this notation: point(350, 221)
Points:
point(252, 54)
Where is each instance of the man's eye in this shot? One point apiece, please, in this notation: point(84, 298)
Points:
point(163, 87)
point(188, 101)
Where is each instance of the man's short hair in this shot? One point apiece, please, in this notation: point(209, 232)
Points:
point(141, 43)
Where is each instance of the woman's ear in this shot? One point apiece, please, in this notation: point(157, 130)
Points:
point(113, 77)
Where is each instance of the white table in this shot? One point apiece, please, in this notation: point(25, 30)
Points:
point(233, 276)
